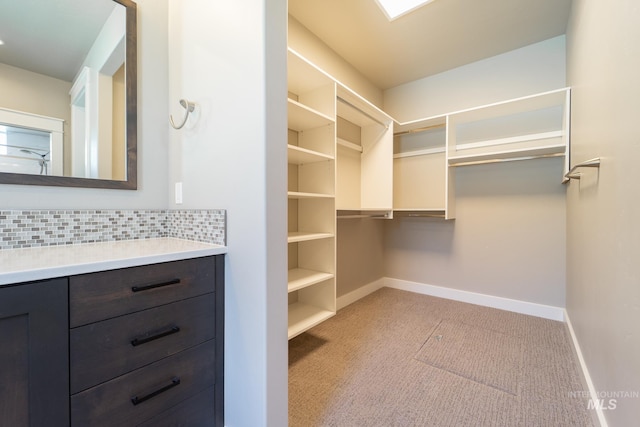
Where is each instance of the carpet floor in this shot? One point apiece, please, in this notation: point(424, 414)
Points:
point(396, 358)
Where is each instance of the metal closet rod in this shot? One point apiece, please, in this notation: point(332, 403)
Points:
point(344, 101)
point(418, 130)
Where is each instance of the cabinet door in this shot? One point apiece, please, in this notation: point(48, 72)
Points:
point(34, 351)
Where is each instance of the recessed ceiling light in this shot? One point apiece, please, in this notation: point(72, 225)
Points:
point(1, 42)
point(396, 8)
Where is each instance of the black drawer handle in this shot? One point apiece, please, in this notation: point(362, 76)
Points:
point(137, 400)
point(146, 339)
point(154, 285)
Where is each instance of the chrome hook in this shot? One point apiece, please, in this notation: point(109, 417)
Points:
point(189, 107)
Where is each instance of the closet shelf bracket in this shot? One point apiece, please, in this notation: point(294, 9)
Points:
point(572, 174)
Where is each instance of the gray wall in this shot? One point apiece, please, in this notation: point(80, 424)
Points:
point(229, 57)
point(360, 253)
point(508, 238)
point(603, 236)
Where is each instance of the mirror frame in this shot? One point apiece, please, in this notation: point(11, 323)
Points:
point(131, 88)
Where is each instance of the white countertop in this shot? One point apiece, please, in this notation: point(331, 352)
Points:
point(24, 265)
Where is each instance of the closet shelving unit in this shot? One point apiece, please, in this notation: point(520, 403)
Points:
point(344, 161)
point(422, 183)
point(426, 151)
point(311, 195)
point(364, 158)
point(528, 127)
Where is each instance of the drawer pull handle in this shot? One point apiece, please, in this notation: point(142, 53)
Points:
point(154, 285)
point(137, 341)
point(137, 400)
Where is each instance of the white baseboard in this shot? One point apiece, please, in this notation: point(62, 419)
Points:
point(523, 307)
point(585, 371)
point(359, 293)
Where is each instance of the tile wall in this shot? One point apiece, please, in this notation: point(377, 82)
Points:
point(28, 228)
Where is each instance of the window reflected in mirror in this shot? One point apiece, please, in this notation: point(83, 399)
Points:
point(67, 79)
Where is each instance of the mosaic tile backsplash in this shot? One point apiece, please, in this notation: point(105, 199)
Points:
point(28, 228)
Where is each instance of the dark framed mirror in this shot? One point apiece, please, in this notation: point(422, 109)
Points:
point(68, 93)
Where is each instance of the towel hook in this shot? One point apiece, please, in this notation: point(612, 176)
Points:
point(189, 107)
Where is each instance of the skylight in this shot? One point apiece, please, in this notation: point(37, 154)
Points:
point(396, 8)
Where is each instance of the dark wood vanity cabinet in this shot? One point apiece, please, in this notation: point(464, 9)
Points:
point(34, 363)
point(146, 343)
point(138, 346)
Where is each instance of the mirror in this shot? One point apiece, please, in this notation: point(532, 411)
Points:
point(68, 93)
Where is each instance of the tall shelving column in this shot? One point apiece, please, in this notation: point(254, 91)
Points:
point(364, 157)
point(420, 180)
point(311, 195)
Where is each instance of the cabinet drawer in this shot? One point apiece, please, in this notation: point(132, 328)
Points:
point(99, 296)
point(142, 394)
point(196, 411)
point(103, 350)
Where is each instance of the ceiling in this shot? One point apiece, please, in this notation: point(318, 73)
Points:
point(50, 37)
point(437, 37)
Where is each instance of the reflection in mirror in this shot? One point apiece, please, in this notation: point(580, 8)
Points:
point(68, 93)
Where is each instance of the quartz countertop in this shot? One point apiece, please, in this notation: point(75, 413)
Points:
point(38, 263)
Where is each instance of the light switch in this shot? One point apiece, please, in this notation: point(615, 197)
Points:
point(178, 193)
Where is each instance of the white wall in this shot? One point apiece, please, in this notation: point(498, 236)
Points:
point(603, 243)
point(229, 57)
point(152, 134)
point(508, 238)
point(532, 69)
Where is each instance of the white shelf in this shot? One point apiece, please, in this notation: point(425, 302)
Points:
point(301, 117)
point(301, 278)
point(302, 236)
point(303, 317)
point(299, 156)
point(301, 195)
point(512, 106)
point(358, 110)
point(311, 173)
point(547, 150)
point(350, 145)
point(420, 125)
point(415, 153)
point(510, 140)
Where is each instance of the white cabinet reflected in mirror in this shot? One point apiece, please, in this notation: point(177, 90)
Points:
point(68, 93)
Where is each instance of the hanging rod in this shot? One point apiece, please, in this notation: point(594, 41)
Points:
point(347, 103)
point(508, 159)
point(422, 129)
point(419, 213)
point(353, 214)
point(572, 174)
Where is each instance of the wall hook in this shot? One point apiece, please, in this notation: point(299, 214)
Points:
point(189, 107)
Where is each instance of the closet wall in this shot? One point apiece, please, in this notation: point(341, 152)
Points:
point(603, 240)
point(508, 238)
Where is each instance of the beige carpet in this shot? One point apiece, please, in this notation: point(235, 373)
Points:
point(397, 358)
